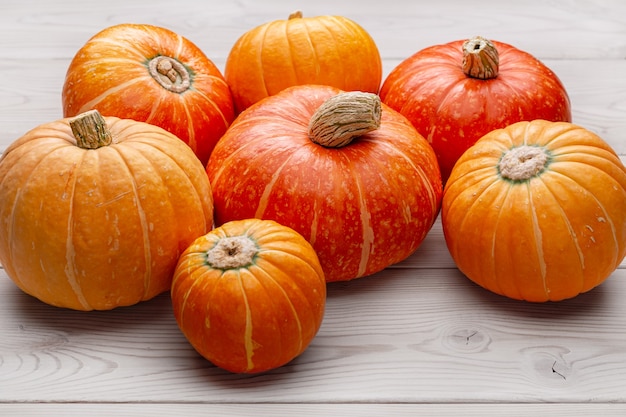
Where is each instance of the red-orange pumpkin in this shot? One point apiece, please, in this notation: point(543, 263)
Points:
point(151, 74)
point(330, 50)
point(249, 295)
point(95, 212)
point(537, 211)
point(457, 92)
point(364, 204)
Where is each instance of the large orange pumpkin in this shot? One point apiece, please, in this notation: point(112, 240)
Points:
point(456, 92)
point(151, 74)
point(363, 204)
point(249, 295)
point(94, 212)
point(330, 50)
point(537, 211)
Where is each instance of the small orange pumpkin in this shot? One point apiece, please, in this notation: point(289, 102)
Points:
point(151, 74)
point(329, 50)
point(94, 212)
point(249, 295)
point(537, 211)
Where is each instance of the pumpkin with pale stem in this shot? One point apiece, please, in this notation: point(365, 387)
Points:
point(348, 173)
point(328, 50)
point(249, 295)
point(94, 212)
point(537, 211)
point(457, 92)
point(151, 74)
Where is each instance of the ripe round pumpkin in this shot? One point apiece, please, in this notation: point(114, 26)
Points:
point(151, 74)
point(537, 211)
point(249, 295)
point(94, 212)
point(457, 92)
point(348, 173)
point(329, 50)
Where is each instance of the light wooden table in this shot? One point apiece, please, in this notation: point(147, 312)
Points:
point(415, 338)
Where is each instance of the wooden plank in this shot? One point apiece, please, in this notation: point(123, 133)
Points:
point(426, 336)
point(306, 410)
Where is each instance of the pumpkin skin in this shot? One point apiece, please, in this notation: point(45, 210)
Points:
point(363, 206)
point(328, 50)
point(95, 229)
point(250, 295)
point(552, 236)
point(116, 73)
point(452, 109)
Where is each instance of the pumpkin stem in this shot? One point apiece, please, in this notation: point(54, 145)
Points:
point(523, 162)
point(480, 58)
point(232, 252)
point(343, 117)
point(90, 130)
point(170, 74)
point(295, 15)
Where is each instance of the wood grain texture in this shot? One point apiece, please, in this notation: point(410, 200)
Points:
point(417, 338)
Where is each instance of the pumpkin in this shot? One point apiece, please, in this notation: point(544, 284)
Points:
point(348, 173)
point(151, 74)
point(95, 211)
point(329, 50)
point(250, 295)
point(457, 92)
point(537, 211)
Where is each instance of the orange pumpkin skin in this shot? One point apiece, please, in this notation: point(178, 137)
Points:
point(99, 228)
point(255, 315)
point(111, 73)
point(452, 110)
point(553, 236)
point(363, 206)
point(328, 50)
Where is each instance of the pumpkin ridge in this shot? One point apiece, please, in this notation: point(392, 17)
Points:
point(70, 252)
point(267, 191)
point(286, 297)
point(538, 239)
point(568, 223)
point(262, 71)
point(432, 194)
point(249, 343)
point(20, 189)
point(495, 239)
point(147, 250)
point(606, 216)
point(111, 92)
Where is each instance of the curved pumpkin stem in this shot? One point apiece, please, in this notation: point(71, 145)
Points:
point(344, 117)
point(480, 58)
point(90, 130)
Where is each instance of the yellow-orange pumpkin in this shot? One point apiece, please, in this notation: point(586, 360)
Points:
point(249, 295)
point(94, 212)
point(329, 50)
point(537, 211)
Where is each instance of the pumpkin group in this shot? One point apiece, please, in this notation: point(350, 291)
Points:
point(351, 175)
point(94, 212)
point(249, 295)
point(329, 50)
point(457, 92)
point(537, 211)
point(151, 74)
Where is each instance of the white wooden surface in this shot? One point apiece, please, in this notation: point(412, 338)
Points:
point(417, 337)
